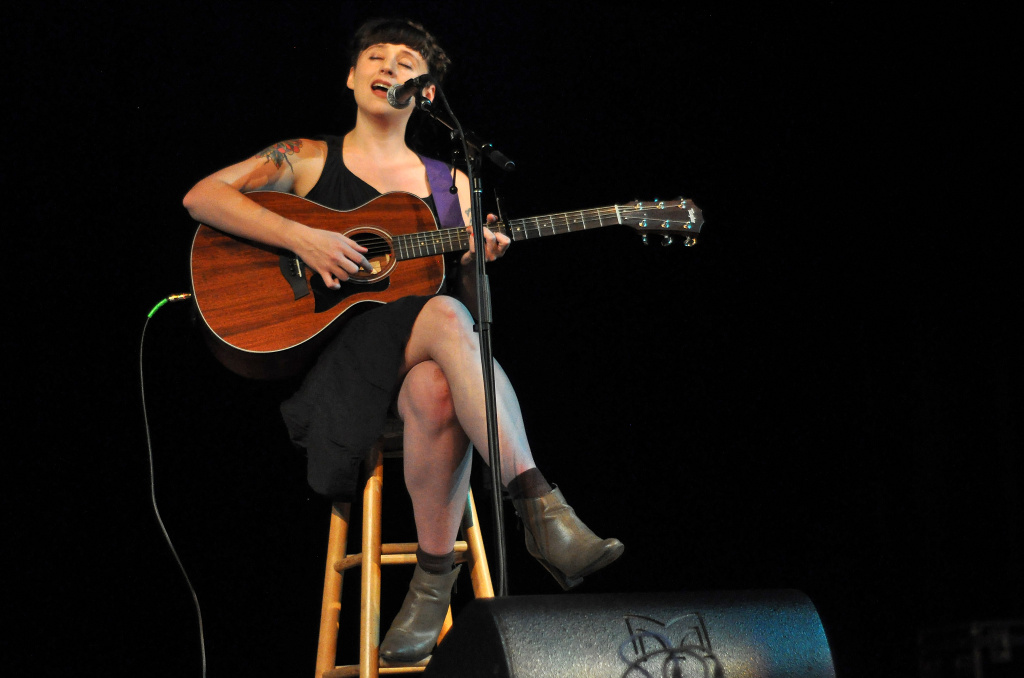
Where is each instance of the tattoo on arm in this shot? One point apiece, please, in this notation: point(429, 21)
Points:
point(279, 152)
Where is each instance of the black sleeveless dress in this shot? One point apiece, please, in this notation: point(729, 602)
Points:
point(341, 406)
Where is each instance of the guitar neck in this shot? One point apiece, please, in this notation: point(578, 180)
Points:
point(429, 243)
point(564, 222)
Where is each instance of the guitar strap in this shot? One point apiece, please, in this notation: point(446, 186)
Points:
point(439, 175)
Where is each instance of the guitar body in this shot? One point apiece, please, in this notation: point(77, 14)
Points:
point(268, 315)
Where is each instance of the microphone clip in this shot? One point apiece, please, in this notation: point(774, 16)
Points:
point(399, 95)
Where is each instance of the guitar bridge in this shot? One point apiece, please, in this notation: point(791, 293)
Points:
point(294, 272)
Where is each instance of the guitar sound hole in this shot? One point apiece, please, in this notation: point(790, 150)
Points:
point(379, 253)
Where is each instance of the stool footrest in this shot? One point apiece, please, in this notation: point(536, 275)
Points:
point(396, 554)
point(396, 669)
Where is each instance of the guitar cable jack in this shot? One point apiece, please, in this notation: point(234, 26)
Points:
point(172, 298)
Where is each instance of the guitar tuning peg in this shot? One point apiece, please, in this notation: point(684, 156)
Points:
point(666, 241)
point(690, 241)
point(643, 237)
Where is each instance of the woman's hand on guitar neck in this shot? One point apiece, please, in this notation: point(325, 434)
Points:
point(333, 256)
point(495, 244)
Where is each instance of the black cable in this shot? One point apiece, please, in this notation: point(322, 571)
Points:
point(152, 477)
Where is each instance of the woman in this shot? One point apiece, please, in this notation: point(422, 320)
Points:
point(422, 348)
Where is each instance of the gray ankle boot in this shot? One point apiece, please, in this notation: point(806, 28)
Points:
point(414, 632)
point(561, 542)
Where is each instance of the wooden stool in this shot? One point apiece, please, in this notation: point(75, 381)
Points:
point(373, 555)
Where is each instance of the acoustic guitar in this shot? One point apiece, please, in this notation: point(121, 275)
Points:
point(267, 313)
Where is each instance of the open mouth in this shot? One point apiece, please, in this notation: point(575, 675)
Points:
point(380, 87)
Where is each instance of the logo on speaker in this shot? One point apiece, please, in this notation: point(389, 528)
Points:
point(679, 648)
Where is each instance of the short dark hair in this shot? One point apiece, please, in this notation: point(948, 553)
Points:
point(400, 32)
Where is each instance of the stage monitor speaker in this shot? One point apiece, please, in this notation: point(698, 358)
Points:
point(733, 634)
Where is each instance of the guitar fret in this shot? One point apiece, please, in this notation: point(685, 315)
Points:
point(524, 228)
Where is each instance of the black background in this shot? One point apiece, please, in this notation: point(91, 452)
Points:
point(818, 396)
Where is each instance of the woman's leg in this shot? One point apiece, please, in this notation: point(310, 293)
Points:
point(441, 402)
point(443, 333)
point(437, 463)
point(437, 459)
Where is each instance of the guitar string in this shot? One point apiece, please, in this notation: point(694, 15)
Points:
point(439, 239)
point(456, 239)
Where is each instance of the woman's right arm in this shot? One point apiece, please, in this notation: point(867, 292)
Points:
point(219, 201)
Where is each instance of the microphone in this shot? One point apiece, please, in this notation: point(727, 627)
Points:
point(399, 96)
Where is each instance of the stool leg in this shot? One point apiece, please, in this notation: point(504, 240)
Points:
point(330, 607)
point(479, 572)
point(369, 618)
point(446, 626)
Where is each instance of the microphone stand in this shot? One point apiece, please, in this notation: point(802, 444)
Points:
point(474, 150)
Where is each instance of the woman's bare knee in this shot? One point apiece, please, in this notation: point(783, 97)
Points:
point(448, 310)
point(445, 321)
point(443, 332)
point(426, 397)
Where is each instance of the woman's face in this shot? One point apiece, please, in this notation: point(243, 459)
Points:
point(381, 66)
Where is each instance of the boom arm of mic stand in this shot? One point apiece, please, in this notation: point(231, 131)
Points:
point(483, 327)
point(474, 144)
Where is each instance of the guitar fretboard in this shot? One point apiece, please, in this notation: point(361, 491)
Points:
point(429, 243)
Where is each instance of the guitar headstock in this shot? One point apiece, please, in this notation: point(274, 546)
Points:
point(664, 218)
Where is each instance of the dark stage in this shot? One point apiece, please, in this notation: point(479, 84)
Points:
point(818, 396)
